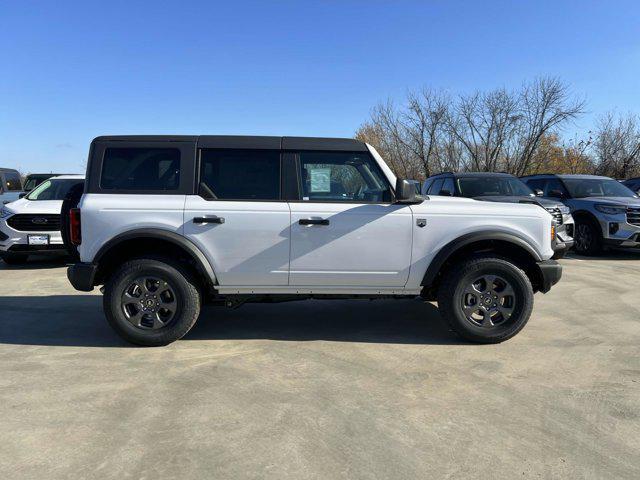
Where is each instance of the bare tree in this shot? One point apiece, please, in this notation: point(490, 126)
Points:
point(482, 131)
point(616, 145)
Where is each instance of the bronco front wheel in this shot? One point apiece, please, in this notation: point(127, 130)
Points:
point(486, 300)
point(151, 302)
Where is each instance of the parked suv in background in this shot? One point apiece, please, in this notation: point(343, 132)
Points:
point(10, 185)
point(632, 184)
point(34, 179)
point(502, 187)
point(167, 223)
point(605, 211)
point(31, 225)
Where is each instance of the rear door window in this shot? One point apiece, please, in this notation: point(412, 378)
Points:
point(140, 169)
point(229, 174)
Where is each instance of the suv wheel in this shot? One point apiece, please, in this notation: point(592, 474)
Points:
point(486, 299)
point(587, 239)
point(14, 258)
point(151, 302)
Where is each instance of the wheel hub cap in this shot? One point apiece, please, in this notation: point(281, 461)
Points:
point(149, 303)
point(488, 301)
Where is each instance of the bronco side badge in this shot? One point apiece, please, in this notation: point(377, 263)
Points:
point(421, 222)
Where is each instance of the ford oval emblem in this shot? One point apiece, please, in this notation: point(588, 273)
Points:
point(39, 221)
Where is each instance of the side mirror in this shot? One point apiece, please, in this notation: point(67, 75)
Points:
point(406, 192)
point(538, 192)
point(22, 195)
point(445, 193)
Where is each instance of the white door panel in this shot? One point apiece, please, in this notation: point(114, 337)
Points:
point(363, 244)
point(251, 247)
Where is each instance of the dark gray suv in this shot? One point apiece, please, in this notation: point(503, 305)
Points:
point(606, 212)
point(503, 187)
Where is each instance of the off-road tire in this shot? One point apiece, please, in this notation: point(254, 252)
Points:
point(462, 274)
point(187, 297)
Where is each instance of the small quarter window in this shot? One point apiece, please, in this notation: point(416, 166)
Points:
point(140, 169)
point(239, 174)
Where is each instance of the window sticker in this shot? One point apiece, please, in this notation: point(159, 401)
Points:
point(320, 179)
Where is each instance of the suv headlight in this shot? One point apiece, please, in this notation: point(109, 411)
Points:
point(5, 212)
point(610, 209)
point(564, 210)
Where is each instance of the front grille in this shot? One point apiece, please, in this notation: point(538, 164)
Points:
point(34, 223)
point(633, 216)
point(3, 237)
point(557, 215)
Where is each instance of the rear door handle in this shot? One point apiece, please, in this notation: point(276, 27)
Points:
point(313, 221)
point(203, 220)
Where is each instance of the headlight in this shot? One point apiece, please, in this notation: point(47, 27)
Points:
point(610, 209)
point(564, 210)
point(5, 212)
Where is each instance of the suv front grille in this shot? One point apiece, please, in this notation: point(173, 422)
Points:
point(35, 223)
point(557, 215)
point(633, 216)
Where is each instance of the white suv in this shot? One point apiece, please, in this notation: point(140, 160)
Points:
point(32, 225)
point(169, 222)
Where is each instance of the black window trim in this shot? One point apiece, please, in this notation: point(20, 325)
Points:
point(199, 173)
point(353, 202)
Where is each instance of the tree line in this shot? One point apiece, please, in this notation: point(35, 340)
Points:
point(515, 131)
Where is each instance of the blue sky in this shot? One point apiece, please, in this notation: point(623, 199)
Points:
point(70, 71)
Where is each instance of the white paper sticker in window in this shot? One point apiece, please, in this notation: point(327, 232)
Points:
point(320, 179)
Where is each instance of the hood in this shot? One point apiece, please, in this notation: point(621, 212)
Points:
point(545, 202)
point(35, 206)
point(626, 201)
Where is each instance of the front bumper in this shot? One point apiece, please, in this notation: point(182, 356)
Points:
point(14, 241)
point(82, 275)
point(550, 274)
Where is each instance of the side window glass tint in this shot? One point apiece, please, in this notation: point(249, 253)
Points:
point(436, 187)
point(553, 186)
point(448, 185)
point(13, 182)
point(342, 176)
point(240, 174)
point(140, 169)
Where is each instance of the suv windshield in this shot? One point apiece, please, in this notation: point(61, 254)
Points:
point(492, 186)
point(53, 189)
point(596, 187)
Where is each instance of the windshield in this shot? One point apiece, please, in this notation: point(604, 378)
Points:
point(53, 189)
point(492, 186)
point(596, 187)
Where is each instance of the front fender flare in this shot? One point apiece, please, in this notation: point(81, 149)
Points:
point(452, 247)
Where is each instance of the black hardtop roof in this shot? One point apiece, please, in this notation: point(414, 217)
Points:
point(2, 169)
point(247, 142)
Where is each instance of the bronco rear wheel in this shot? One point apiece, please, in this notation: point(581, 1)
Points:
point(151, 302)
point(486, 299)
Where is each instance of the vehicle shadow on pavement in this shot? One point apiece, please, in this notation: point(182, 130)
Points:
point(379, 321)
point(619, 254)
point(78, 321)
point(39, 263)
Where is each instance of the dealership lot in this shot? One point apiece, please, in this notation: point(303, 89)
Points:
point(341, 389)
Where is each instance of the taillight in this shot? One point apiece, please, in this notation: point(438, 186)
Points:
point(75, 229)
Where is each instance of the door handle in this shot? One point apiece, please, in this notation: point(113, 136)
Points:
point(203, 220)
point(313, 221)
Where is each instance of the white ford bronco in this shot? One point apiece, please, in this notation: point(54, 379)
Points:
point(168, 223)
